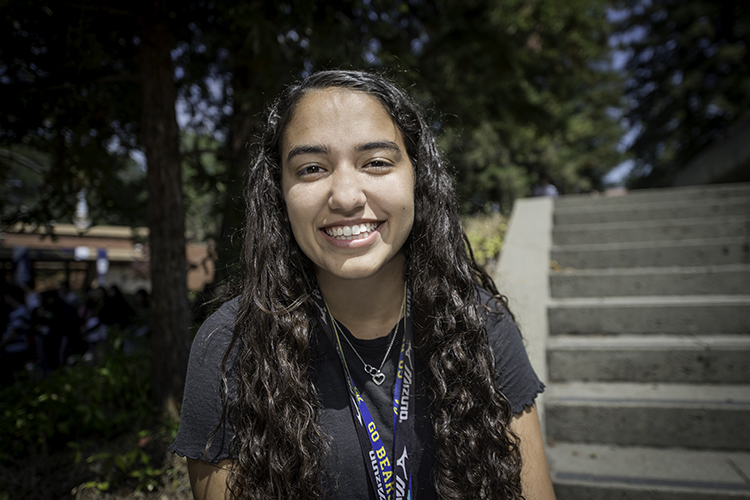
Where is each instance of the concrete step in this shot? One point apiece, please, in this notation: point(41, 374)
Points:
point(718, 251)
point(701, 280)
point(726, 207)
point(693, 193)
point(703, 315)
point(698, 359)
point(656, 230)
point(648, 362)
point(596, 472)
point(653, 415)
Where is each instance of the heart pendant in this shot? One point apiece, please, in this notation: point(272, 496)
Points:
point(378, 377)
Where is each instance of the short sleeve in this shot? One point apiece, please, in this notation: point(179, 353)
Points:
point(202, 401)
point(513, 371)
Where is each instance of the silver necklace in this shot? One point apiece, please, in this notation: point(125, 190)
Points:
point(377, 375)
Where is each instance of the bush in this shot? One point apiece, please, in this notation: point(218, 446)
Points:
point(86, 428)
point(79, 402)
point(486, 233)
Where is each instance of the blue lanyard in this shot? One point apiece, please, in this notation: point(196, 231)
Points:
point(388, 483)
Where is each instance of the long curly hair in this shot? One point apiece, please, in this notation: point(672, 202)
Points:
point(280, 445)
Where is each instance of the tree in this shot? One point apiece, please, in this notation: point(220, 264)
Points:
point(525, 90)
point(688, 79)
point(241, 55)
point(520, 86)
point(75, 77)
point(170, 319)
point(65, 79)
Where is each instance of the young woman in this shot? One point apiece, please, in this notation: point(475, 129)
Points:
point(366, 355)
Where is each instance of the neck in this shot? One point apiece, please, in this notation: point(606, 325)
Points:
point(368, 307)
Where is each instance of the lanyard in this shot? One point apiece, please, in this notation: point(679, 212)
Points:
point(388, 482)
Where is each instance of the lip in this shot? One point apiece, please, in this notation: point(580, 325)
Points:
point(352, 244)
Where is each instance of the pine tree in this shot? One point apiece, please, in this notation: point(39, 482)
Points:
point(689, 79)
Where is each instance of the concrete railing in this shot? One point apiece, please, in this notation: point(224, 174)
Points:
point(523, 276)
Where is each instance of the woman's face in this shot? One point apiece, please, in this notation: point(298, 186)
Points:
point(348, 184)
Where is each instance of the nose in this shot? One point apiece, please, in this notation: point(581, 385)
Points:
point(346, 190)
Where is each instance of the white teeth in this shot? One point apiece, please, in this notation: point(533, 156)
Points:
point(355, 232)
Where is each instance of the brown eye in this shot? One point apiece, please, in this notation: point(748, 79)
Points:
point(379, 164)
point(310, 170)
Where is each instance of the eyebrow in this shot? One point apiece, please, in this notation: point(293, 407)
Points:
point(302, 150)
point(368, 146)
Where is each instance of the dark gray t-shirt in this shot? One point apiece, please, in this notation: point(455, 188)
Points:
point(346, 474)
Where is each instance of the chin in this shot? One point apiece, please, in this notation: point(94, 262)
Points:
point(351, 272)
point(362, 267)
point(355, 274)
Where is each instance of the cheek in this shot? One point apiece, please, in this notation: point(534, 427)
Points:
point(296, 218)
point(407, 213)
point(410, 203)
point(300, 232)
point(410, 214)
point(300, 213)
point(292, 198)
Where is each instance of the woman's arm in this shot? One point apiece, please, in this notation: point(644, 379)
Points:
point(535, 478)
point(209, 481)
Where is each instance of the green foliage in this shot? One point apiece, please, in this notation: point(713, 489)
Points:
point(688, 79)
point(96, 418)
point(203, 177)
point(68, 90)
point(131, 465)
point(524, 89)
point(74, 404)
point(520, 89)
point(486, 233)
point(22, 171)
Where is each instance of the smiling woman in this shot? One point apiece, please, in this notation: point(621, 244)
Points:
point(364, 355)
point(348, 186)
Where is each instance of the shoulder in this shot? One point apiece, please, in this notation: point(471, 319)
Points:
point(214, 336)
point(207, 387)
point(498, 319)
point(223, 317)
point(219, 323)
point(513, 371)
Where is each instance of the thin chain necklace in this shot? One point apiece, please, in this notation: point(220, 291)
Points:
point(377, 375)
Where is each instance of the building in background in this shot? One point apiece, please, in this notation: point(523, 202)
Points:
point(104, 255)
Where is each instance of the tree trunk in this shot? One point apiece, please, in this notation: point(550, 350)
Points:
point(170, 312)
point(232, 214)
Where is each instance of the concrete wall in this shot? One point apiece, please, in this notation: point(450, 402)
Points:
point(523, 276)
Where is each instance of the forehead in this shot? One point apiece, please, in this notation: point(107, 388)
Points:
point(336, 116)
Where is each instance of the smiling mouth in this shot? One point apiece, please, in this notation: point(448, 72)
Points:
point(354, 232)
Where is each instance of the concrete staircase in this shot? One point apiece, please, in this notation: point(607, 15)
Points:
point(648, 354)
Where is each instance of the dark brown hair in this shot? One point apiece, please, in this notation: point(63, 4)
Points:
point(280, 445)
